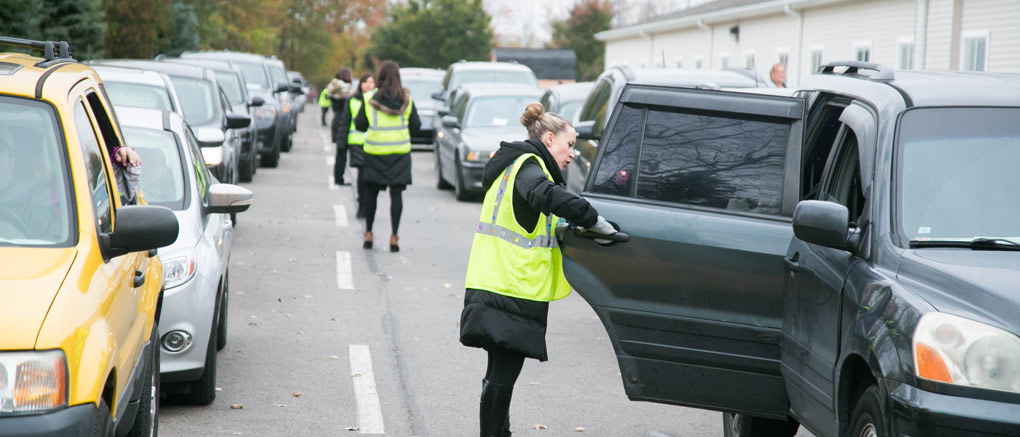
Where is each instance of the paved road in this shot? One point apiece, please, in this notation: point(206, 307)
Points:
point(326, 338)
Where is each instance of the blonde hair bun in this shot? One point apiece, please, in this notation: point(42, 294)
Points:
point(532, 114)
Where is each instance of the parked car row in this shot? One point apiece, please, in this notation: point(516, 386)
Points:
point(114, 287)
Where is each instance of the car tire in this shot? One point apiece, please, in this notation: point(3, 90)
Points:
point(247, 170)
point(147, 418)
point(272, 159)
point(221, 325)
point(868, 418)
point(203, 390)
point(462, 194)
point(742, 425)
point(440, 182)
point(286, 142)
point(102, 423)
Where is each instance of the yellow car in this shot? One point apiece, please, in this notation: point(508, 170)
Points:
point(80, 284)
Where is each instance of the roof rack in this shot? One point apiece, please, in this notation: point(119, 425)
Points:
point(882, 72)
point(52, 50)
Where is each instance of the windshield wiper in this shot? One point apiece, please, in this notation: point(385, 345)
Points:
point(975, 244)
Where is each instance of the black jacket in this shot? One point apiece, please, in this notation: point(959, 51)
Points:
point(491, 320)
point(388, 170)
point(357, 153)
point(337, 105)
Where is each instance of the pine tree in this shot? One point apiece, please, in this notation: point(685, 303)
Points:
point(79, 22)
point(19, 19)
point(137, 28)
point(434, 33)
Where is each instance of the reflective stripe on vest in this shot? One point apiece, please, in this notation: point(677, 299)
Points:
point(387, 134)
point(507, 259)
point(354, 136)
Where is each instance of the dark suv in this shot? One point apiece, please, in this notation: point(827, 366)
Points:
point(847, 258)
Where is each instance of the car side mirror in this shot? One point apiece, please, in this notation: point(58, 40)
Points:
point(237, 121)
point(139, 228)
point(822, 223)
point(228, 198)
point(257, 101)
point(438, 95)
point(295, 88)
point(450, 121)
point(444, 111)
point(586, 130)
point(282, 87)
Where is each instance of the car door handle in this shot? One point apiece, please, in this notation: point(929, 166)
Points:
point(139, 278)
point(793, 262)
point(618, 237)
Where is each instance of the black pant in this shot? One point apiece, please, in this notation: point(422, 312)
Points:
point(504, 366)
point(324, 112)
point(341, 163)
point(370, 202)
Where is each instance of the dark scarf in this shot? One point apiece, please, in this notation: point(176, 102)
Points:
point(509, 151)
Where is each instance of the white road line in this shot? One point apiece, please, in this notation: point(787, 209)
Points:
point(332, 185)
point(341, 216)
point(344, 273)
point(370, 420)
point(330, 161)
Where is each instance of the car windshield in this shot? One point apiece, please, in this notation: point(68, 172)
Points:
point(162, 180)
point(197, 100)
point(254, 75)
point(232, 87)
point(569, 109)
point(139, 95)
point(514, 76)
point(497, 111)
point(422, 89)
point(958, 173)
point(34, 188)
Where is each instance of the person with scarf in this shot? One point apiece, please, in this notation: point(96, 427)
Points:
point(339, 89)
point(353, 139)
point(515, 268)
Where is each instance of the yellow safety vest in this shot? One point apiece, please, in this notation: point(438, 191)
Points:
point(354, 136)
point(387, 134)
point(324, 101)
point(506, 258)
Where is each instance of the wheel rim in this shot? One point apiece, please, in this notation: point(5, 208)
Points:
point(734, 425)
point(868, 430)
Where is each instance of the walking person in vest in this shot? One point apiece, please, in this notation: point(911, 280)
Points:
point(355, 139)
point(324, 103)
point(340, 90)
point(386, 117)
point(515, 268)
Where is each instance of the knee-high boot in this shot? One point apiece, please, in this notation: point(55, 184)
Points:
point(494, 409)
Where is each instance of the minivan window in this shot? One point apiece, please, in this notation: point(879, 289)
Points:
point(714, 161)
point(162, 182)
point(95, 170)
point(34, 185)
point(517, 76)
point(422, 89)
point(232, 86)
point(957, 172)
point(197, 100)
point(138, 95)
point(598, 98)
point(254, 75)
point(615, 174)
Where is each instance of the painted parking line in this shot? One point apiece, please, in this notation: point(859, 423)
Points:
point(341, 215)
point(332, 184)
point(370, 420)
point(344, 273)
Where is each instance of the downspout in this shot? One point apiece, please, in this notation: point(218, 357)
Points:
point(711, 41)
point(795, 79)
point(922, 34)
point(651, 45)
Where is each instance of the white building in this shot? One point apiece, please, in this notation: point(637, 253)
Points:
point(981, 35)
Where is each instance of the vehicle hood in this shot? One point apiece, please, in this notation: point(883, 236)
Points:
point(266, 95)
point(980, 285)
point(30, 279)
point(488, 138)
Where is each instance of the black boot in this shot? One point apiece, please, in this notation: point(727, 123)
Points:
point(494, 409)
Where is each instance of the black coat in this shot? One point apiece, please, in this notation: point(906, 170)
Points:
point(387, 170)
point(337, 105)
point(491, 320)
point(357, 151)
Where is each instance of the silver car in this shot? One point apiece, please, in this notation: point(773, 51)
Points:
point(193, 314)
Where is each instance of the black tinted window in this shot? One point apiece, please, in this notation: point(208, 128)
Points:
point(615, 174)
point(713, 161)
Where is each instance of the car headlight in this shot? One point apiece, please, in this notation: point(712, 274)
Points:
point(959, 351)
point(178, 270)
point(32, 381)
point(265, 112)
point(476, 156)
point(213, 155)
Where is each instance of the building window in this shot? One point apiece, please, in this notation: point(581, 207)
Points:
point(724, 60)
point(816, 58)
point(783, 55)
point(862, 51)
point(698, 63)
point(749, 60)
point(680, 62)
point(974, 51)
point(905, 54)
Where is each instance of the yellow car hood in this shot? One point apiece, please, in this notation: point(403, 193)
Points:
point(29, 280)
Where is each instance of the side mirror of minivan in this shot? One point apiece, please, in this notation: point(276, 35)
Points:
point(139, 228)
point(237, 121)
point(257, 101)
point(282, 87)
point(586, 130)
point(229, 198)
point(438, 95)
point(295, 87)
point(450, 121)
point(822, 223)
point(444, 111)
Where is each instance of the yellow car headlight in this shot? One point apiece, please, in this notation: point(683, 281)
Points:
point(32, 381)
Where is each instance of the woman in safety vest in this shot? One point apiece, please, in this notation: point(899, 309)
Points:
point(355, 139)
point(515, 265)
point(387, 117)
point(324, 103)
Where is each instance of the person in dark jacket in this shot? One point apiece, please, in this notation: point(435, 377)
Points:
point(387, 159)
point(340, 89)
point(515, 268)
point(355, 143)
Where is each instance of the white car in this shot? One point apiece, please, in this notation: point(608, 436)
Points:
point(193, 314)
